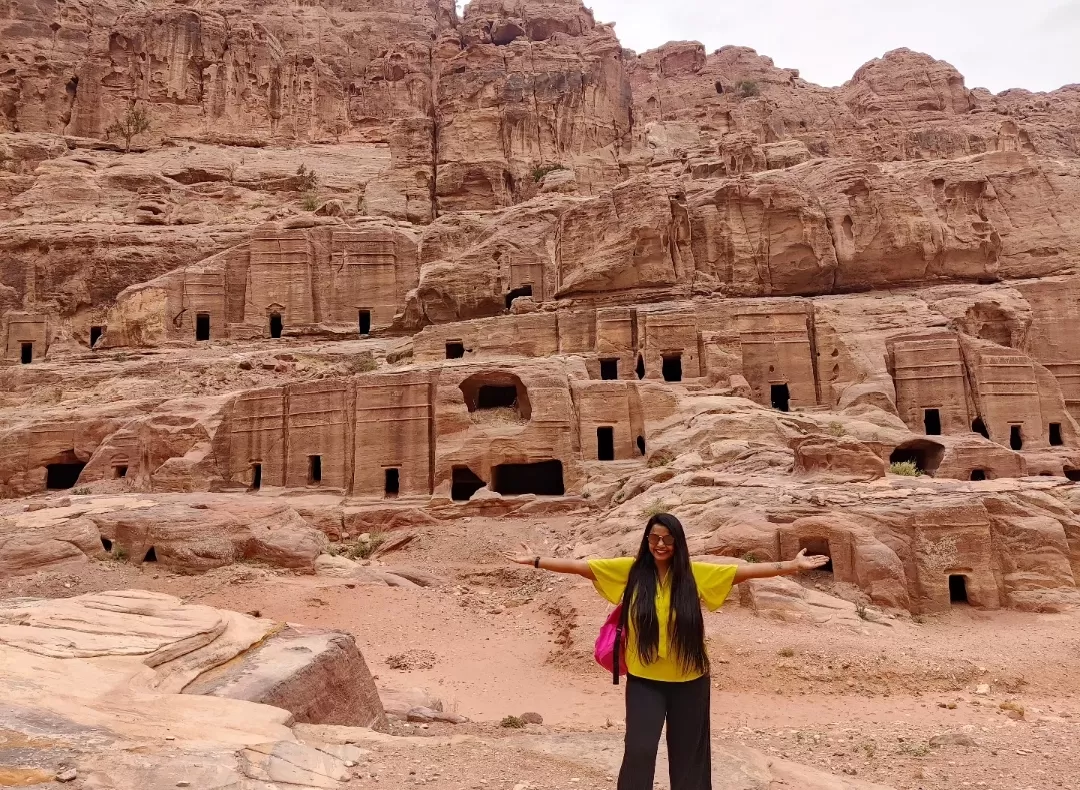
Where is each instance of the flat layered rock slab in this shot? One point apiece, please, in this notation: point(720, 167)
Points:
point(319, 676)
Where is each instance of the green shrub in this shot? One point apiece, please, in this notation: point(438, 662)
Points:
point(655, 508)
point(310, 201)
point(512, 723)
point(836, 429)
point(309, 179)
point(661, 458)
point(542, 170)
point(81, 491)
point(134, 122)
point(363, 549)
point(905, 469)
point(750, 557)
point(747, 89)
point(364, 363)
point(118, 553)
point(787, 652)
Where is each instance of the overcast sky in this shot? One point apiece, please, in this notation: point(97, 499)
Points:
point(1034, 44)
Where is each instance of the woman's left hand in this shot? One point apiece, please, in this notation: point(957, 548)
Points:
point(804, 563)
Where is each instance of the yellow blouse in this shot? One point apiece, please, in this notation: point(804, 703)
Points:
point(714, 584)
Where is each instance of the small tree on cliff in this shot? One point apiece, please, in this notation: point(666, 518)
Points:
point(133, 123)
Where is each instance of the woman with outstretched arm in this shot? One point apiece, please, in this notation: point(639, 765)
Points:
point(667, 666)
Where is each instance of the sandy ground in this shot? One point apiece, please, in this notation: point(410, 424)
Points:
point(859, 701)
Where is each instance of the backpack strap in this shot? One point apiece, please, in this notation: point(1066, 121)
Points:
point(620, 632)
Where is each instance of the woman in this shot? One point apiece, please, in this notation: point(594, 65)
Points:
point(666, 662)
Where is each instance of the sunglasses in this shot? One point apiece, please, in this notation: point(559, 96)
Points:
point(665, 540)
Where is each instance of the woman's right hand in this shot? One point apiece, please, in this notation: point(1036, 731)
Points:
point(528, 558)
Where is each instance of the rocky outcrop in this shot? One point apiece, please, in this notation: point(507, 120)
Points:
point(92, 680)
point(183, 534)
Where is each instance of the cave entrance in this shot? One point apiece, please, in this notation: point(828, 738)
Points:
point(202, 326)
point(314, 476)
point(932, 422)
point(455, 349)
point(365, 322)
point(780, 396)
point(256, 477)
point(464, 483)
point(120, 471)
point(95, 334)
point(106, 543)
point(492, 396)
point(544, 478)
point(818, 546)
point(641, 444)
point(392, 482)
point(518, 293)
point(1072, 474)
point(978, 474)
point(926, 455)
point(640, 369)
point(958, 588)
point(1056, 439)
point(275, 325)
point(151, 555)
point(496, 390)
point(1016, 437)
point(609, 369)
point(26, 353)
point(605, 443)
point(64, 473)
point(672, 368)
point(979, 427)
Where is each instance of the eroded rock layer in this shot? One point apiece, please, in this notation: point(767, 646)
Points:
point(416, 265)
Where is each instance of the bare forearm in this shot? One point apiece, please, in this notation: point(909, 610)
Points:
point(576, 567)
point(765, 570)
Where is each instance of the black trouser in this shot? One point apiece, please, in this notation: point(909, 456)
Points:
point(686, 708)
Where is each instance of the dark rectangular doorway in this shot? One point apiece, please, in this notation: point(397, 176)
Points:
point(932, 422)
point(392, 483)
point(95, 334)
point(609, 369)
point(605, 444)
point(1016, 437)
point(455, 349)
point(543, 479)
point(276, 325)
point(365, 322)
point(672, 368)
point(202, 326)
point(62, 476)
point(958, 589)
point(314, 470)
point(120, 472)
point(27, 350)
point(1056, 439)
point(780, 397)
point(256, 477)
point(464, 483)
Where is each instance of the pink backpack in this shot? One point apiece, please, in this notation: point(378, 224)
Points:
point(612, 634)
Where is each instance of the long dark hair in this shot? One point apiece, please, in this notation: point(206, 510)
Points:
point(686, 625)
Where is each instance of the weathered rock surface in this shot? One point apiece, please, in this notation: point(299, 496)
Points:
point(185, 534)
point(318, 676)
point(626, 278)
point(98, 678)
